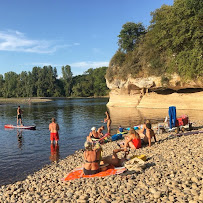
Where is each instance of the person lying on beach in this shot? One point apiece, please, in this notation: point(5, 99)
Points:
point(114, 160)
point(100, 131)
point(149, 135)
point(132, 140)
point(92, 157)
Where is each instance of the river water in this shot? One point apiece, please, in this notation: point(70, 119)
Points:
point(24, 151)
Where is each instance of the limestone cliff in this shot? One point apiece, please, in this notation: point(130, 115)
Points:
point(156, 92)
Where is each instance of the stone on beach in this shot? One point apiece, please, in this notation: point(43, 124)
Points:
point(173, 172)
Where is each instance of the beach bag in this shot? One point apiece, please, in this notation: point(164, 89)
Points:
point(135, 164)
point(116, 137)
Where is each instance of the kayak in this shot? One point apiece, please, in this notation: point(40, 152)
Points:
point(32, 127)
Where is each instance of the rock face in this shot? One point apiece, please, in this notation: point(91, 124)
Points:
point(151, 92)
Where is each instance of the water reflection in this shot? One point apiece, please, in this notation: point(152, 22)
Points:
point(20, 138)
point(54, 152)
point(132, 116)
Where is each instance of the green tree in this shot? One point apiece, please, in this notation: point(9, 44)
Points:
point(22, 86)
point(10, 85)
point(35, 78)
point(100, 88)
point(172, 44)
point(129, 35)
point(1, 85)
point(91, 83)
point(67, 79)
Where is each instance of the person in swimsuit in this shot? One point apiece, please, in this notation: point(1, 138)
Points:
point(54, 128)
point(19, 115)
point(143, 130)
point(93, 135)
point(114, 160)
point(132, 140)
point(107, 120)
point(100, 131)
point(149, 135)
point(92, 157)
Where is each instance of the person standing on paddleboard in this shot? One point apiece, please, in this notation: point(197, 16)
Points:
point(19, 115)
point(54, 128)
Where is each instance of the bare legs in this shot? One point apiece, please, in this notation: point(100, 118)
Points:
point(127, 144)
point(108, 126)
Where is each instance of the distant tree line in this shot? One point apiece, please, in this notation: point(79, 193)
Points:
point(173, 43)
point(44, 82)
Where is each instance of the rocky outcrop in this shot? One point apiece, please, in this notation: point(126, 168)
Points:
point(151, 92)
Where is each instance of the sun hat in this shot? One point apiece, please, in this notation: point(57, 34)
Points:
point(93, 128)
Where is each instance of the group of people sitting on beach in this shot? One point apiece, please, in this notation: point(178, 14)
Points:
point(94, 162)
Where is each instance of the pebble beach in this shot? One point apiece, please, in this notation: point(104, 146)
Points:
point(172, 172)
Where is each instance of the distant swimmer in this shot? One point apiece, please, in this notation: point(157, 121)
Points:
point(19, 115)
point(54, 128)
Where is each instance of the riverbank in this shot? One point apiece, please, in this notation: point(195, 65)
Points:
point(173, 172)
point(23, 100)
point(39, 99)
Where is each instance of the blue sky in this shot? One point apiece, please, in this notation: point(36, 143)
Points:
point(79, 33)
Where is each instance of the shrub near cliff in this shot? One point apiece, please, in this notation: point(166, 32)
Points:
point(172, 44)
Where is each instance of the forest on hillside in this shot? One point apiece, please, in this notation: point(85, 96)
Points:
point(44, 82)
point(173, 43)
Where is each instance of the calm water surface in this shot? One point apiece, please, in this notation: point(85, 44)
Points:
point(24, 151)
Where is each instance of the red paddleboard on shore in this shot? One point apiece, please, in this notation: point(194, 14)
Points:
point(32, 127)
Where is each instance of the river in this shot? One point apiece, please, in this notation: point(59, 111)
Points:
point(24, 151)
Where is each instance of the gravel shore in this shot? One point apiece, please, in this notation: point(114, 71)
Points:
point(173, 173)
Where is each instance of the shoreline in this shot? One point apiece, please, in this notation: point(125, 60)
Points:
point(24, 100)
point(173, 172)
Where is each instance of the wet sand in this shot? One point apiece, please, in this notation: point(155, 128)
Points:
point(173, 173)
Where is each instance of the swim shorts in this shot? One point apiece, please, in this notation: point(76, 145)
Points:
point(54, 136)
point(19, 116)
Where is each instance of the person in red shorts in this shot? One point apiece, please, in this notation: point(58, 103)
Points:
point(54, 128)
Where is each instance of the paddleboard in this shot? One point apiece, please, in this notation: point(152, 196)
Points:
point(32, 127)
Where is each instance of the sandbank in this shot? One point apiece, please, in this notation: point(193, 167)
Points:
point(23, 100)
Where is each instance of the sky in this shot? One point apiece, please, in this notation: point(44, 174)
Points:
point(79, 33)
